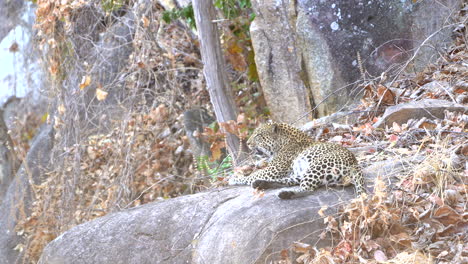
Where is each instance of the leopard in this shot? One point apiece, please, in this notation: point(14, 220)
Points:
point(298, 163)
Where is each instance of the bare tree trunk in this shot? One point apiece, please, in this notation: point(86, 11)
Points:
point(214, 71)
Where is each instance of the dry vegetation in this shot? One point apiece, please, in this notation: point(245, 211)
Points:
point(423, 218)
point(142, 156)
point(145, 155)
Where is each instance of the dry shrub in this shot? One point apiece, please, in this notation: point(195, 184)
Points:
point(124, 152)
point(27, 117)
point(138, 162)
point(421, 221)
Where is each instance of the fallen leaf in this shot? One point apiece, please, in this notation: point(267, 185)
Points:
point(428, 125)
point(299, 247)
point(229, 126)
point(61, 109)
point(145, 21)
point(447, 216)
point(396, 127)
point(321, 211)
point(101, 94)
point(241, 118)
point(380, 256)
point(393, 138)
point(386, 95)
point(369, 92)
point(141, 65)
point(14, 47)
point(85, 82)
point(436, 199)
point(258, 193)
point(235, 56)
point(216, 150)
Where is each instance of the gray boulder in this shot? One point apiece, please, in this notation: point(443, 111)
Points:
point(221, 226)
point(18, 196)
point(10, 12)
point(8, 161)
point(429, 108)
point(307, 51)
point(195, 121)
point(278, 60)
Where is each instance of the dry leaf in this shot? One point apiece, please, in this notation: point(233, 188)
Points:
point(241, 118)
point(386, 95)
point(53, 68)
point(216, 150)
point(101, 94)
point(230, 127)
point(428, 125)
point(61, 109)
point(235, 56)
point(321, 211)
point(369, 92)
point(258, 193)
point(396, 127)
point(85, 82)
point(141, 65)
point(447, 216)
point(284, 254)
point(145, 21)
point(14, 47)
point(393, 138)
point(299, 247)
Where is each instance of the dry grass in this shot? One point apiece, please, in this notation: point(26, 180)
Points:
point(135, 151)
point(421, 221)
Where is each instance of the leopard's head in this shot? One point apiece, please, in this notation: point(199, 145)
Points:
point(266, 139)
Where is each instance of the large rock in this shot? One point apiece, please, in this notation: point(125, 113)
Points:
point(220, 226)
point(429, 108)
point(278, 60)
point(195, 122)
point(307, 51)
point(18, 197)
point(8, 162)
point(10, 12)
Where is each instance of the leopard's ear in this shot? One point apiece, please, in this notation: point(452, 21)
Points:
point(275, 128)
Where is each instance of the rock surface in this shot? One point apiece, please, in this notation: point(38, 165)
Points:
point(18, 196)
point(278, 60)
point(220, 226)
point(8, 161)
point(307, 51)
point(195, 121)
point(429, 108)
point(229, 225)
point(10, 12)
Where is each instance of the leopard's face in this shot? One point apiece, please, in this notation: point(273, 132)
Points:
point(273, 137)
point(264, 140)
